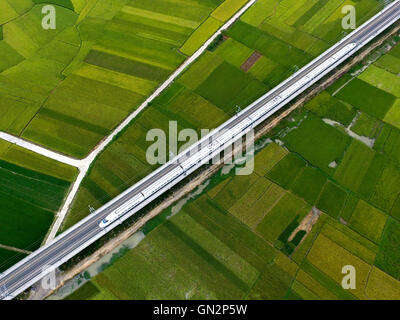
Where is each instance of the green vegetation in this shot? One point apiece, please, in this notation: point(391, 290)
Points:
point(389, 256)
point(205, 31)
point(87, 291)
point(386, 190)
point(227, 9)
point(368, 221)
point(350, 173)
point(332, 199)
point(367, 98)
point(10, 10)
point(350, 240)
point(9, 258)
point(286, 170)
point(391, 143)
point(382, 286)
point(94, 69)
point(308, 184)
point(326, 106)
point(382, 79)
point(234, 52)
point(349, 207)
point(234, 241)
point(368, 185)
point(389, 62)
point(32, 63)
point(326, 255)
point(318, 142)
point(288, 209)
point(366, 126)
point(242, 230)
point(29, 198)
point(393, 115)
point(32, 187)
point(62, 3)
point(211, 249)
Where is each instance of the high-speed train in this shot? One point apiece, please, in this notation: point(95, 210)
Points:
point(225, 138)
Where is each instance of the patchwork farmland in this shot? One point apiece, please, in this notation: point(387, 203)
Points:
point(261, 49)
point(286, 230)
point(32, 188)
point(66, 89)
point(283, 232)
point(104, 58)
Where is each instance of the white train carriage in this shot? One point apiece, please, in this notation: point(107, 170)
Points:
point(162, 182)
point(344, 51)
point(326, 64)
point(195, 159)
point(240, 127)
point(127, 206)
point(264, 109)
point(224, 138)
point(233, 132)
point(322, 67)
point(294, 87)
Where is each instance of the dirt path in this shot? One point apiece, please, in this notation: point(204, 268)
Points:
point(42, 151)
point(2, 246)
point(250, 61)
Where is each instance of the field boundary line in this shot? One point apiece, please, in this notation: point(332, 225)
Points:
point(2, 246)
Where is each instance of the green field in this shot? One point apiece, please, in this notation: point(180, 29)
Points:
point(308, 184)
point(99, 64)
point(332, 199)
point(286, 170)
point(204, 32)
point(350, 173)
point(326, 106)
point(67, 88)
point(8, 258)
point(207, 252)
point(233, 242)
point(318, 142)
point(368, 221)
point(382, 79)
point(367, 98)
point(32, 189)
point(366, 125)
point(388, 255)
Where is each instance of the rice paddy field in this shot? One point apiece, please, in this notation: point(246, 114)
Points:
point(268, 43)
point(70, 87)
point(32, 188)
point(248, 237)
point(324, 197)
